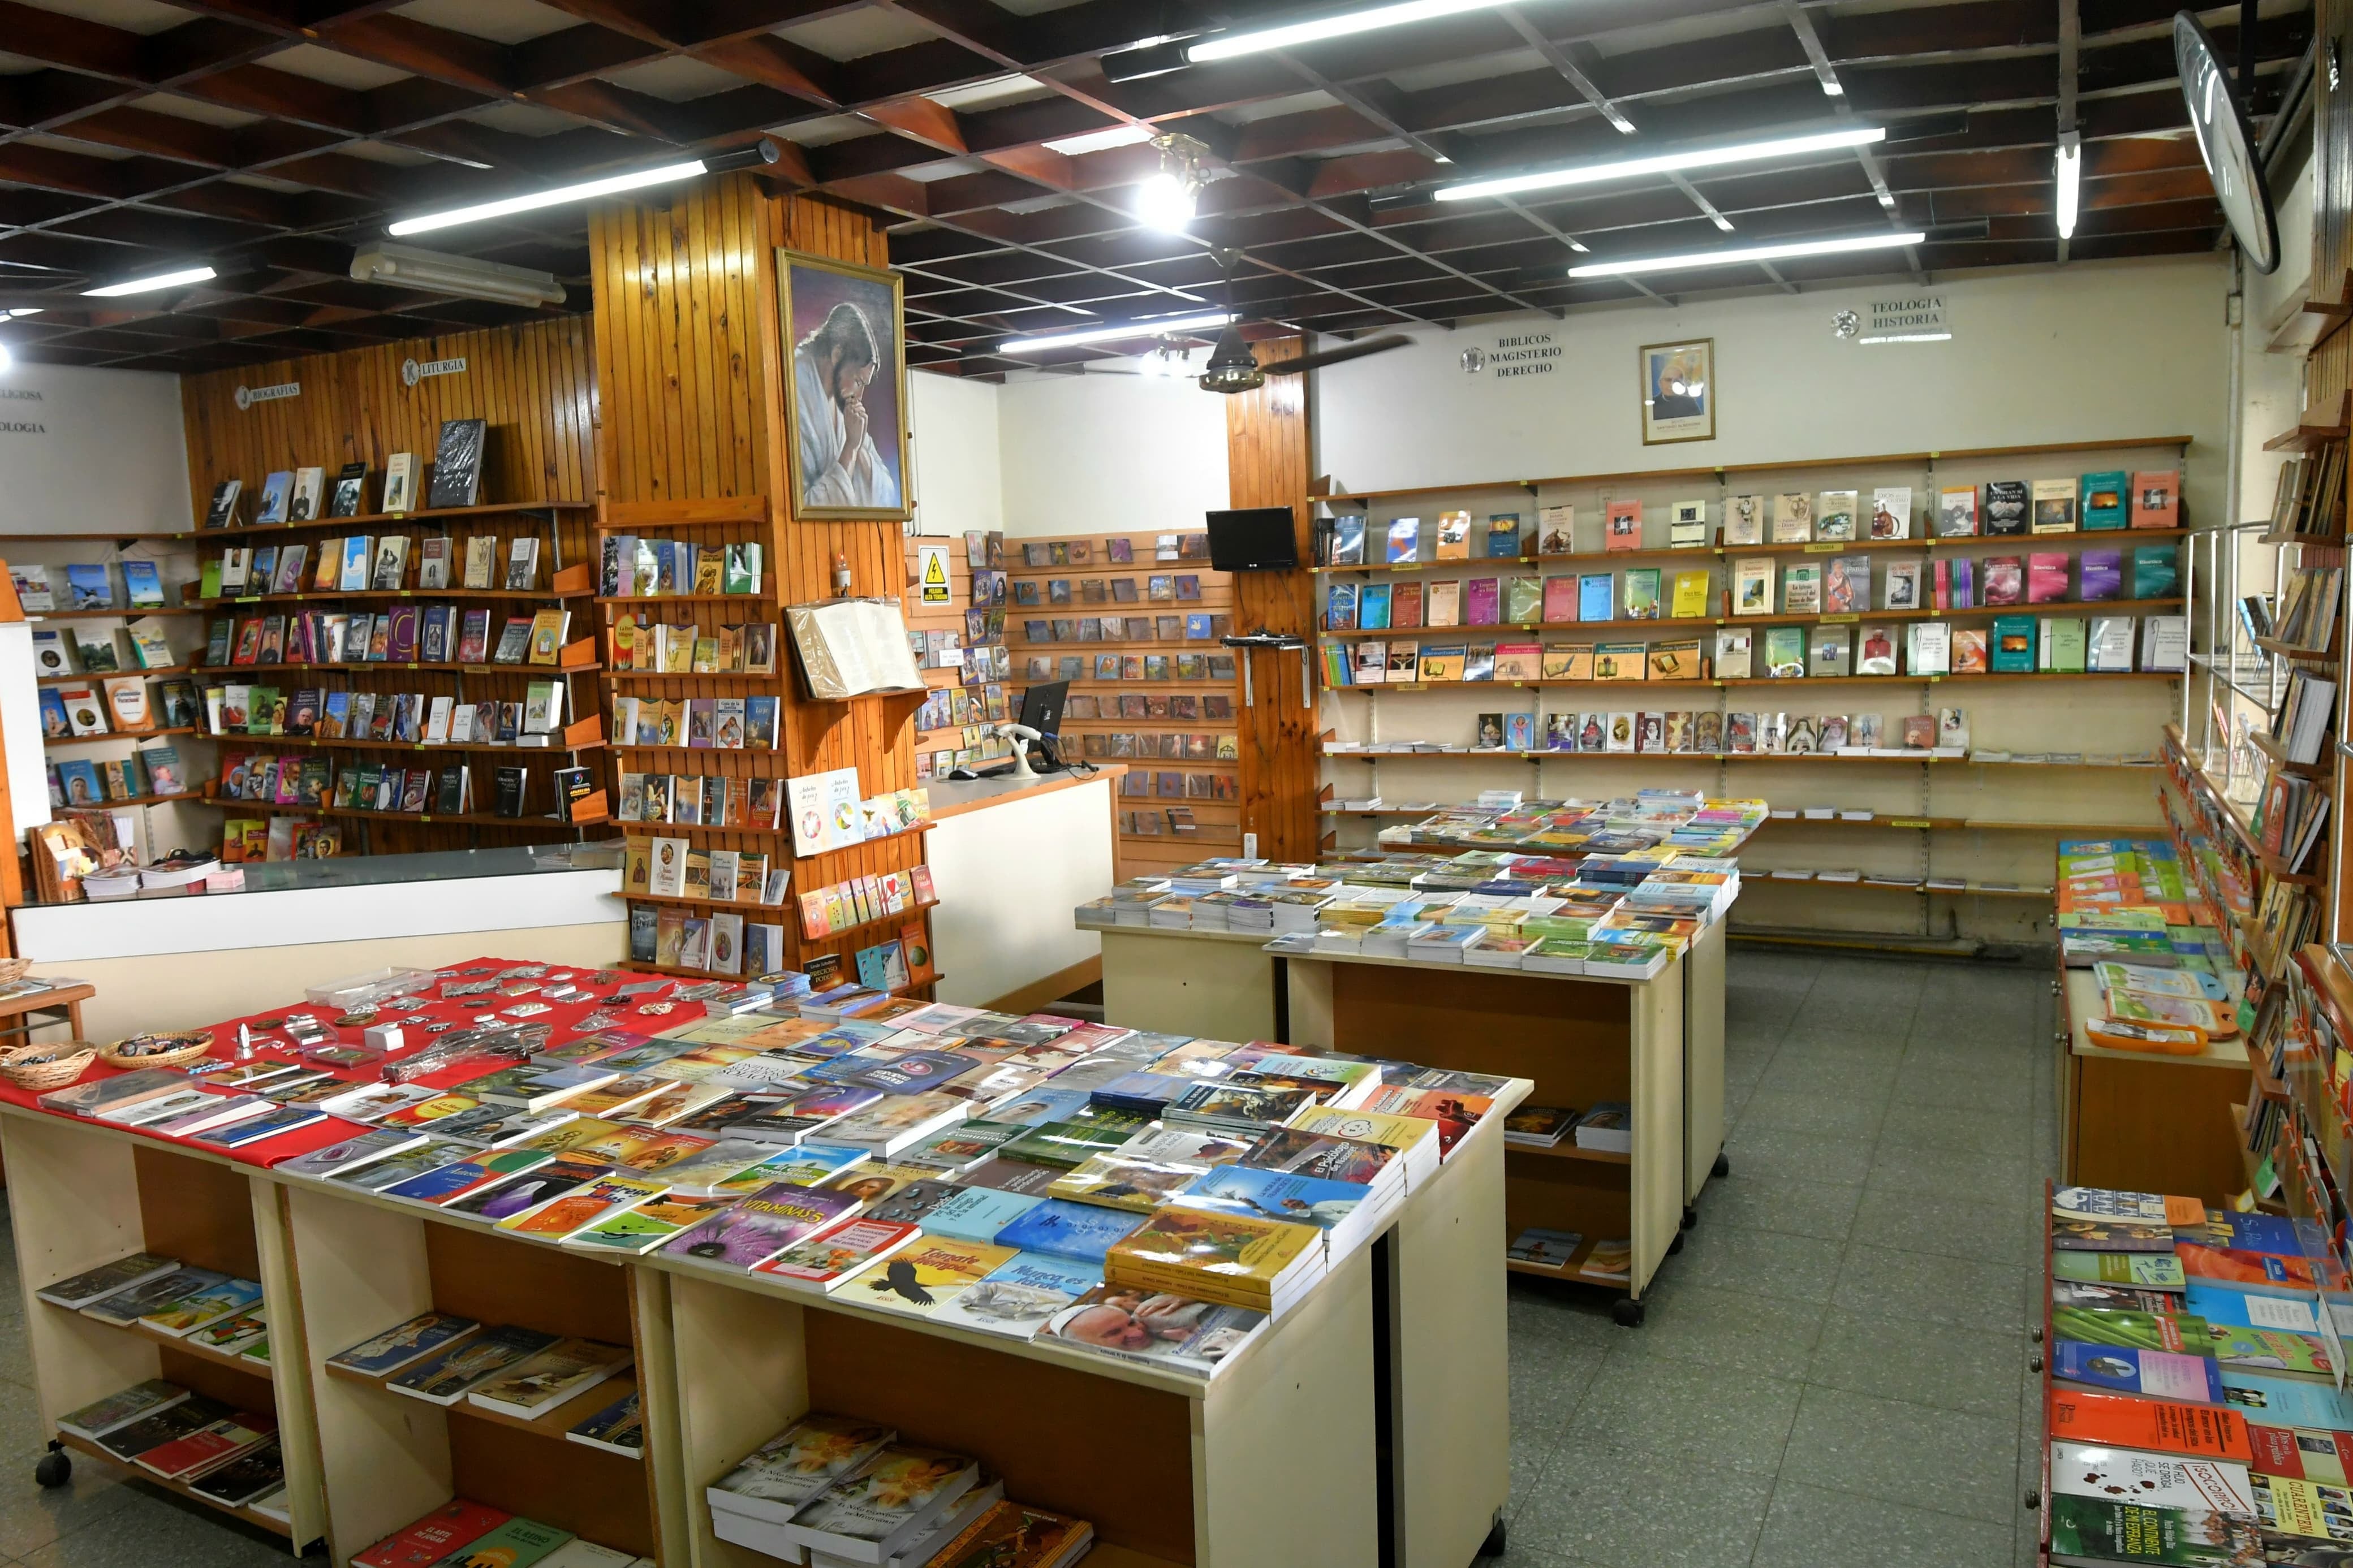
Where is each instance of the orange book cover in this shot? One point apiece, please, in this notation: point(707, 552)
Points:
point(2206, 1431)
point(916, 943)
point(2155, 501)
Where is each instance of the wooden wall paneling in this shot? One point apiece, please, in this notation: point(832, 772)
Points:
point(1267, 459)
point(691, 359)
point(535, 386)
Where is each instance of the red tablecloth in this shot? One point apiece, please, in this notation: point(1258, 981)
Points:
point(562, 1019)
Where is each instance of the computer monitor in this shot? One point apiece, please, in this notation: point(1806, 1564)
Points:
point(1041, 708)
point(1253, 539)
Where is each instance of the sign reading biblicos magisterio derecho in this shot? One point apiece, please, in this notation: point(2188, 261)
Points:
point(1515, 354)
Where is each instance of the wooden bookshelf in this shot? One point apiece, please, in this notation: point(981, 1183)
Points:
point(159, 673)
point(426, 518)
point(178, 1489)
point(122, 735)
point(38, 617)
point(381, 666)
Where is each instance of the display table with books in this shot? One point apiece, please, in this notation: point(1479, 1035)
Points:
point(2193, 1382)
point(613, 1266)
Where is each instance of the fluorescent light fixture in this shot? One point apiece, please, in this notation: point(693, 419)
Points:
point(761, 152)
point(2070, 173)
point(5, 358)
point(1226, 46)
point(1746, 253)
point(161, 280)
point(1114, 331)
point(1666, 163)
point(25, 310)
point(437, 272)
point(1832, 89)
point(1096, 141)
point(1909, 338)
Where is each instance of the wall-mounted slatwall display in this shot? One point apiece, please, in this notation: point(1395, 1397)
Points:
point(1967, 647)
point(391, 623)
point(114, 650)
point(960, 644)
point(1133, 621)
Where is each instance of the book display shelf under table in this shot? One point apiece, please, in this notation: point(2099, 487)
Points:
point(1899, 883)
point(1206, 1470)
point(1132, 700)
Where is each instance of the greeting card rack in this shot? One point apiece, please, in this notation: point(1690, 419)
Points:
point(1161, 697)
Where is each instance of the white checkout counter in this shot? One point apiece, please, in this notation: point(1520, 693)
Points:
point(1010, 859)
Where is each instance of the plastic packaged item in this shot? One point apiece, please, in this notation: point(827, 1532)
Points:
point(357, 992)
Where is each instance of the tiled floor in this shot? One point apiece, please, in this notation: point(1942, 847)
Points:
point(1833, 1371)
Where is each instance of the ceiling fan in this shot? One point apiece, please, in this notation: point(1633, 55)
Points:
point(1234, 369)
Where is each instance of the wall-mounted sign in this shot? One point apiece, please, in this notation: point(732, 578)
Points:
point(247, 396)
point(936, 587)
point(1908, 319)
point(412, 372)
point(16, 421)
point(1515, 354)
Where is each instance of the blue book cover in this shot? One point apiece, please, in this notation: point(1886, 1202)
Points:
point(2103, 500)
point(144, 588)
point(2286, 1401)
point(2255, 1232)
point(1272, 1194)
point(2012, 645)
point(238, 1134)
point(1503, 535)
point(355, 574)
point(54, 722)
point(89, 588)
point(1198, 625)
point(2158, 1374)
point(2154, 574)
point(1373, 609)
point(1039, 1106)
point(396, 1348)
point(1596, 596)
point(2251, 1308)
point(275, 492)
point(435, 1185)
point(79, 777)
point(1519, 732)
point(1020, 1295)
point(1084, 1231)
point(977, 1214)
point(1340, 607)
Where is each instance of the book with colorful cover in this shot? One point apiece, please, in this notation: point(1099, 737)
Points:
point(445, 1378)
point(2104, 1530)
point(837, 1256)
point(425, 1334)
point(1213, 1257)
point(1019, 1296)
point(921, 1278)
point(762, 1226)
point(2212, 1431)
point(1066, 1229)
point(2160, 1374)
point(425, 1541)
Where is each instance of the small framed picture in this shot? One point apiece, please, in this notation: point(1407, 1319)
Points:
point(1678, 391)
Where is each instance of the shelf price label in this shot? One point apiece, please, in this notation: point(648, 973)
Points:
point(1826, 547)
point(1907, 822)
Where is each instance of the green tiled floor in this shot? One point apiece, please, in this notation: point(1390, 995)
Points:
point(1832, 1373)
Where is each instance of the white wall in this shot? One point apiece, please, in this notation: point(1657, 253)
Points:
point(111, 453)
point(959, 479)
point(1094, 454)
point(2038, 355)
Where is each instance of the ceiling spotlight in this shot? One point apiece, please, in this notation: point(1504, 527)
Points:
point(1166, 200)
point(1168, 360)
point(469, 277)
point(144, 285)
point(763, 151)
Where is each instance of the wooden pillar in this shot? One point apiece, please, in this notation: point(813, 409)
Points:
point(1267, 461)
point(691, 363)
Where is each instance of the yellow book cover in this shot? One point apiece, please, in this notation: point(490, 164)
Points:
point(547, 635)
point(433, 1110)
point(576, 1211)
point(709, 570)
point(926, 1276)
point(1235, 1250)
point(1454, 536)
point(1691, 595)
point(637, 862)
point(572, 1134)
point(1399, 1133)
point(1675, 661)
point(625, 644)
point(1442, 665)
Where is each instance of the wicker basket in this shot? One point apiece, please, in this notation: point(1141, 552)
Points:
point(40, 1067)
point(157, 1050)
point(13, 969)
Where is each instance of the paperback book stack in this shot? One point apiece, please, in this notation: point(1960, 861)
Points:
point(2197, 1413)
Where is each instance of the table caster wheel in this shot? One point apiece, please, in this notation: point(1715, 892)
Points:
point(1691, 1216)
point(1723, 1166)
point(55, 1468)
point(1676, 1245)
point(1493, 1545)
point(1625, 1314)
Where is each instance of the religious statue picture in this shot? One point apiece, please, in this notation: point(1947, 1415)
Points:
point(846, 388)
point(1678, 391)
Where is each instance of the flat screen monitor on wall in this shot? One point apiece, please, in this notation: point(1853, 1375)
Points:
point(1252, 539)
